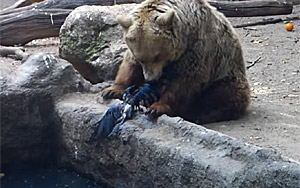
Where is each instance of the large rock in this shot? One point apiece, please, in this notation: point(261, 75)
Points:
point(168, 153)
point(48, 72)
point(91, 40)
point(29, 126)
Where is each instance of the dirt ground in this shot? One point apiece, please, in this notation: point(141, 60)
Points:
point(273, 119)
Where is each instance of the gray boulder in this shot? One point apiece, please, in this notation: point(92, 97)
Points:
point(48, 72)
point(92, 41)
point(29, 126)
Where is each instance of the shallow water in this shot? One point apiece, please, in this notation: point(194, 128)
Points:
point(45, 178)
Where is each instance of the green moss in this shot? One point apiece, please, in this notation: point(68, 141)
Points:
point(66, 40)
point(91, 48)
point(98, 45)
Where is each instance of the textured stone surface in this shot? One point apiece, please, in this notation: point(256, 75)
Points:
point(49, 72)
point(92, 41)
point(29, 126)
point(169, 153)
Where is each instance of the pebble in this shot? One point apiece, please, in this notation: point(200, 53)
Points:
point(292, 96)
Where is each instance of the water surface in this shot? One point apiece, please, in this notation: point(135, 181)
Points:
point(45, 178)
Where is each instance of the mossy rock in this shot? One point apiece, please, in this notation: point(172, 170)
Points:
point(92, 41)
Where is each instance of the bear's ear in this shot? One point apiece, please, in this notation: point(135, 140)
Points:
point(167, 18)
point(124, 21)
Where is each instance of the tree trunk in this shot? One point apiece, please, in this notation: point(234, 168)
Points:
point(20, 28)
point(66, 4)
point(22, 3)
point(252, 8)
point(267, 21)
point(16, 52)
point(42, 20)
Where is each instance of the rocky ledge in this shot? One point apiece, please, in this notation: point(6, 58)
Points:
point(168, 153)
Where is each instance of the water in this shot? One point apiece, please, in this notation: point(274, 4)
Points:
point(45, 178)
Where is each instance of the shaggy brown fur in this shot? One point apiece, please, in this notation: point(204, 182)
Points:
point(202, 49)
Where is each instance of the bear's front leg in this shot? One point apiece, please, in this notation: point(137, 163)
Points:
point(130, 73)
point(114, 92)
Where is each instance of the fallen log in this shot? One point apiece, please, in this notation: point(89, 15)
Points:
point(16, 52)
point(267, 21)
point(41, 20)
point(230, 9)
point(22, 3)
point(252, 8)
point(21, 28)
point(66, 4)
point(21, 25)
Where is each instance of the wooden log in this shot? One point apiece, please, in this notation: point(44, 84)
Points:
point(22, 3)
point(15, 52)
point(21, 28)
point(294, 2)
point(252, 8)
point(267, 21)
point(40, 20)
point(230, 9)
point(65, 4)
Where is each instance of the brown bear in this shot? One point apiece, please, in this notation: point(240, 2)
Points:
point(195, 42)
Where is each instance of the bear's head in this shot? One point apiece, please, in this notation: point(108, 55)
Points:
point(151, 39)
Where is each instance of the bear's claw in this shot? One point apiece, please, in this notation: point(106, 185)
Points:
point(112, 93)
point(157, 109)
